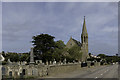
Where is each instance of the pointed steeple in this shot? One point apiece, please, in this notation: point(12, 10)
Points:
point(84, 30)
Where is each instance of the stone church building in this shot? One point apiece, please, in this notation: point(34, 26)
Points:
point(84, 43)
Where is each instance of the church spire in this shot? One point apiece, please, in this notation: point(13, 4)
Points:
point(84, 30)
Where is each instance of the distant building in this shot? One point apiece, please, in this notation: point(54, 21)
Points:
point(83, 45)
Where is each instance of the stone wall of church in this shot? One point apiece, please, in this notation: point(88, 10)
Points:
point(84, 52)
point(70, 43)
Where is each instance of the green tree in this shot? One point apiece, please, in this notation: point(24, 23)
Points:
point(75, 52)
point(90, 55)
point(60, 44)
point(14, 57)
point(44, 46)
point(58, 51)
point(3, 53)
point(102, 56)
point(24, 57)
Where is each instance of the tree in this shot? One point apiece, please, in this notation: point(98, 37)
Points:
point(59, 44)
point(58, 51)
point(3, 53)
point(44, 46)
point(102, 55)
point(14, 57)
point(24, 57)
point(90, 55)
point(75, 52)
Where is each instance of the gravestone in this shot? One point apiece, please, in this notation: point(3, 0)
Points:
point(60, 62)
point(54, 62)
point(73, 61)
point(23, 63)
point(64, 61)
point(46, 62)
point(50, 62)
point(88, 64)
point(79, 62)
point(40, 61)
point(9, 62)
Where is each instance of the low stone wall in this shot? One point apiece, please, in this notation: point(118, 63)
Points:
point(54, 70)
point(19, 71)
point(38, 71)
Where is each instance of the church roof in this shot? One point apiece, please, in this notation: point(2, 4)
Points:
point(77, 42)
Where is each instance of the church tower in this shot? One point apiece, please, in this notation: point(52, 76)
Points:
point(84, 41)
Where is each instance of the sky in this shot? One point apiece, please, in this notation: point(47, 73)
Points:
point(22, 20)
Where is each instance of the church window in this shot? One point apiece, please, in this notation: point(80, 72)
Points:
point(84, 39)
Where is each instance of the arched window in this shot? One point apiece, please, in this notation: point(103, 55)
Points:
point(84, 39)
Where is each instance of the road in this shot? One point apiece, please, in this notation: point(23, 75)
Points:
point(109, 71)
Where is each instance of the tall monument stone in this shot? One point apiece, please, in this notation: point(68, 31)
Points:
point(31, 56)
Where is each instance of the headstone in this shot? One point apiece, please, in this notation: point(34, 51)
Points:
point(24, 63)
point(19, 63)
point(79, 62)
point(46, 62)
point(50, 62)
point(64, 61)
point(88, 64)
point(32, 56)
point(40, 61)
point(9, 61)
point(54, 62)
point(60, 62)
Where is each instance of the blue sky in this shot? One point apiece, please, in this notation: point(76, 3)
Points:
point(22, 20)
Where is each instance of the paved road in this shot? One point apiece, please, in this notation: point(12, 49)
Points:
point(109, 71)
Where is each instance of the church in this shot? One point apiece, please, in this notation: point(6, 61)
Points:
point(83, 44)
